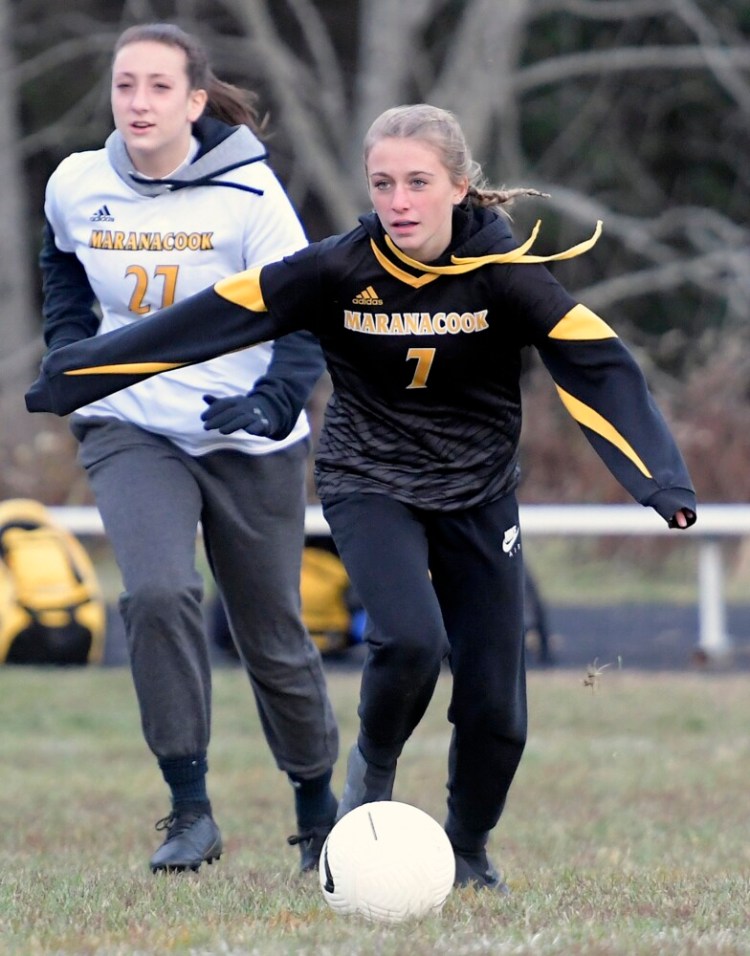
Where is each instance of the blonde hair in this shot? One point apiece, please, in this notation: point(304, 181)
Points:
point(442, 131)
point(226, 102)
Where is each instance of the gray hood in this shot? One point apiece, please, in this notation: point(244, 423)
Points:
point(223, 148)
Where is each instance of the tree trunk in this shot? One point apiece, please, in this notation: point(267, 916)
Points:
point(19, 354)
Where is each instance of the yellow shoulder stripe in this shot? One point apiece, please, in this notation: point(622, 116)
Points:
point(581, 324)
point(587, 416)
point(128, 368)
point(243, 289)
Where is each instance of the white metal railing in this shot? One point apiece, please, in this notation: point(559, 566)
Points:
point(716, 522)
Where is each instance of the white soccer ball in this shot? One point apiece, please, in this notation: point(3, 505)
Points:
point(387, 861)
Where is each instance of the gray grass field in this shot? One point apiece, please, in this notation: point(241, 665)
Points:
point(627, 831)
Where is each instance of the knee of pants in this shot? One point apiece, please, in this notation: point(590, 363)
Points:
point(413, 649)
point(483, 718)
point(160, 605)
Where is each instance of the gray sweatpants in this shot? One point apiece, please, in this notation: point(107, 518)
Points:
point(151, 496)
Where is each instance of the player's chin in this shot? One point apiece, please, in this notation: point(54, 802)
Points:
point(403, 232)
point(140, 141)
point(406, 241)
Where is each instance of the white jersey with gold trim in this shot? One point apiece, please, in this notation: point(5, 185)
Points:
point(144, 248)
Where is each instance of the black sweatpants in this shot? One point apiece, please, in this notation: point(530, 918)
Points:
point(436, 584)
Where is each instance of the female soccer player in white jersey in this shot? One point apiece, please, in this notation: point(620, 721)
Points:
point(422, 311)
point(180, 196)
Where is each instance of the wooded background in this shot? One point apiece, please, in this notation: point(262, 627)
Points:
point(636, 112)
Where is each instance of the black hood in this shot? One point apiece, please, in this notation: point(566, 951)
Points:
point(477, 231)
point(481, 237)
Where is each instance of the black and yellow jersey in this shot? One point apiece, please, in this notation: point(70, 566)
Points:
point(425, 362)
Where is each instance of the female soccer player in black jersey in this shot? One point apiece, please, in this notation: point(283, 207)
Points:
point(422, 311)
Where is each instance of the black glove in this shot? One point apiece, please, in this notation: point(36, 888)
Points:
point(249, 412)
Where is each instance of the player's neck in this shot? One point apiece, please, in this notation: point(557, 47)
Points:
point(164, 166)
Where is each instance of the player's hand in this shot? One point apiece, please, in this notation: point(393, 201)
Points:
point(683, 518)
point(229, 415)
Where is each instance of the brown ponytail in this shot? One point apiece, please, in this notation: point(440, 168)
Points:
point(234, 105)
point(484, 196)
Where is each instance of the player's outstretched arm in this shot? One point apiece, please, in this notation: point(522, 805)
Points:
point(194, 330)
point(606, 392)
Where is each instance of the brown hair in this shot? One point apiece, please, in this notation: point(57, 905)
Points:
point(441, 129)
point(226, 102)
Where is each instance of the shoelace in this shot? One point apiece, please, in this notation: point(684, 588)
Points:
point(165, 823)
point(310, 835)
point(307, 837)
point(176, 823)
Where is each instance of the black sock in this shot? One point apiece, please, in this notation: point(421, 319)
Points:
point(314, 802)
point(186, 778)
point(463, 839)
point(380, 756)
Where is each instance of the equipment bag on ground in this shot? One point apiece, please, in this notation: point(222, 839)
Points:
point(51, 606)
point(331, 610)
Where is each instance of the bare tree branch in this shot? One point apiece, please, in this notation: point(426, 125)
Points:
point(604, 9)
point(330, 86)
point(71, 125)
point(710, 39)
point(15, 270)
point(626, 59)
point(703, 271)
point(282, 72)
point(723, 269)
point(475, 81)
point(62, 54)
point(14, 365)
point(385, 53)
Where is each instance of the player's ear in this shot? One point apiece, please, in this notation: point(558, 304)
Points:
point(460, 190)
point(198, 100)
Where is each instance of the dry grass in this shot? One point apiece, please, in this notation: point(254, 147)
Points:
point(626, 831)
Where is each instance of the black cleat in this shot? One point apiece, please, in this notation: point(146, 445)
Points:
point(192, 838)
point(310, 845)
point(310, 839)
point(365, 783)
point(475, 869)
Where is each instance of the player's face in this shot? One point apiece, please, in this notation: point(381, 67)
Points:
point(413, 195)
point(153, 106)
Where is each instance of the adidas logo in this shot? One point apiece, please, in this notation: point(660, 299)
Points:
point(367, 296)
point(102, 215)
